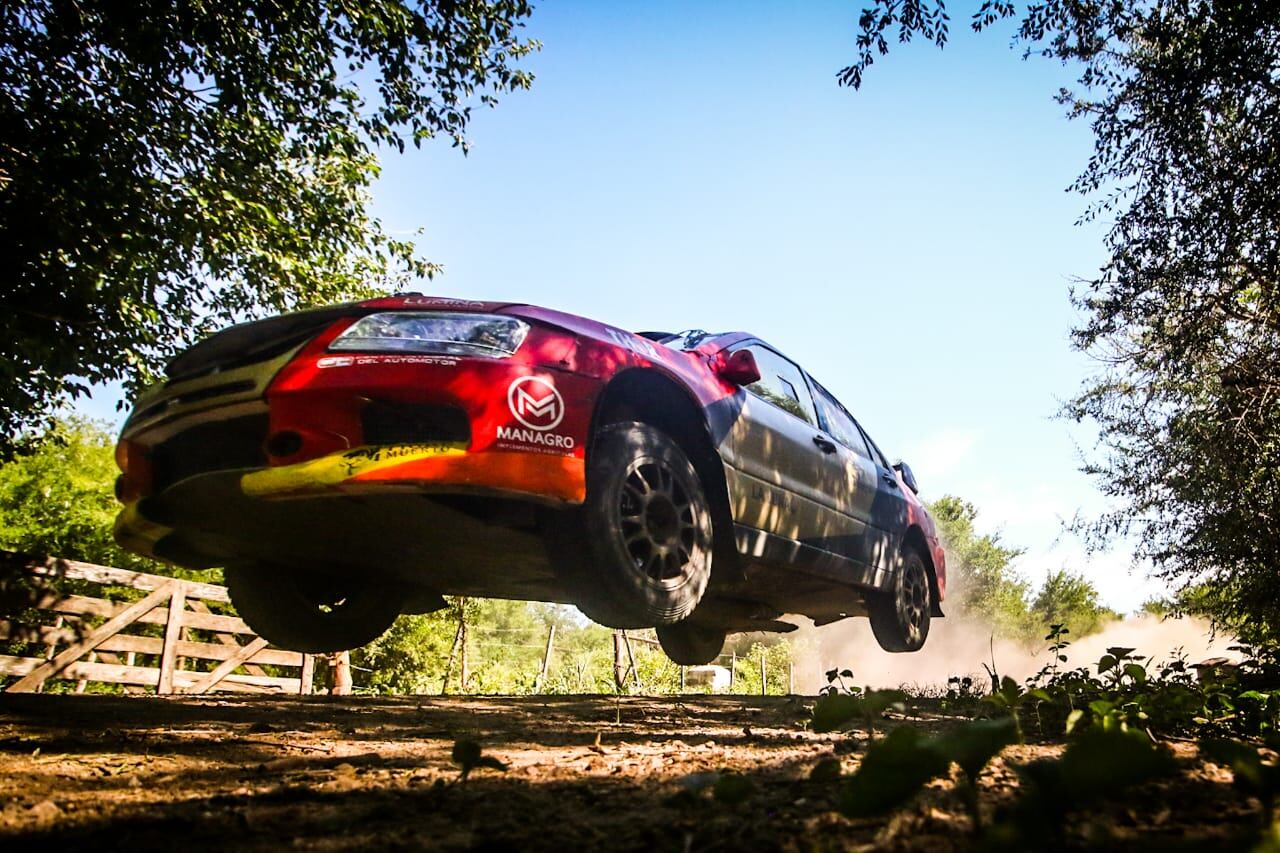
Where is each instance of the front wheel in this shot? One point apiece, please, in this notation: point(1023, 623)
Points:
point(310, 613)
point(647, 528)
point(691, 645)
point(900, 614)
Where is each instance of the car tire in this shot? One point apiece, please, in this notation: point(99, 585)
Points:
point(900, 615)
point(647, 529)
point(309, 613)
point(691, 645)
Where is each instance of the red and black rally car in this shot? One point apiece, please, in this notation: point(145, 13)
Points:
point(348, 464)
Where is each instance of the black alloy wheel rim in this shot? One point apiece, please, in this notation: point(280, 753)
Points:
point(658, 521)
point(914, 598)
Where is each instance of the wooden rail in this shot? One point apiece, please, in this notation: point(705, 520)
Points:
point(87, 640)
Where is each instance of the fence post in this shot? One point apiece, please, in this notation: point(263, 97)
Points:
point(448, 664)
point(764, 676)
point(733, 669)
point(682, 678)
point(172, 633)
point(619, 665)
point(340, 674)
point(462, 660)
point(82, 683)
point(307, 676)
point(546, 661)
point(635, 671)
point(52, 648)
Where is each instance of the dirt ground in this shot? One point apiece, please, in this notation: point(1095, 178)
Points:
point(321, 773)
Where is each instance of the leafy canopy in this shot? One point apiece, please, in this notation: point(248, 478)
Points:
point(56, 498)
point(1068, 598)
point(165, 169)
point(1185, 316)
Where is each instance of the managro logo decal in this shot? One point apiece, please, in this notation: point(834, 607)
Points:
point(535, 402)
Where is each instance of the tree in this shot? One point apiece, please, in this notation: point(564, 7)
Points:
point(980, 573)
point(56, 498)
point(411, 656)
point(1185, 316)
point(165, 169)
point(1070, 599)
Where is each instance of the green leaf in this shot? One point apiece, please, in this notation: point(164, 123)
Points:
point(876, 702)
point(973, 744)
point(733, 788)
point(1073, 719)
point(1099, 763)
point(834, 711)
point(1244, 760)
point(893, 770)
point(1137, 672)
point(826, 770)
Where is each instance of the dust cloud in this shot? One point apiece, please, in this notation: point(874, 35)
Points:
point(958, 647)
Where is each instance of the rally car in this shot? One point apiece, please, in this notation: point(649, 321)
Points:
point(348, 464)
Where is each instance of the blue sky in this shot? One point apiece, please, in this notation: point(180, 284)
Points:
point(695, 165)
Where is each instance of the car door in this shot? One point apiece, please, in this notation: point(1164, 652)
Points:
point(851, 484)
point(888, 510)
point(778, 472)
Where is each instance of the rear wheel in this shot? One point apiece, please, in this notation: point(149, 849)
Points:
point(310, 612)
point(691, 645)
point(648, 531)
point(900, 614)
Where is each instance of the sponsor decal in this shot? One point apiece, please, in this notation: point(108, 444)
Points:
point(365, 360)
point(549, 440)
point(635, 343)
point(535, 402)
point(361, 459)
point(442, 302)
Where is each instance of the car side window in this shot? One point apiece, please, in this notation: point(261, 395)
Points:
point(782, 384)
point(839, 424)
point(876, 453)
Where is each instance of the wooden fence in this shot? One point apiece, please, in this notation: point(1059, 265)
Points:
point(76, 649)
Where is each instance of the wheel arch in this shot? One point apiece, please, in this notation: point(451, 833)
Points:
point(915, 539)
point(652, 397)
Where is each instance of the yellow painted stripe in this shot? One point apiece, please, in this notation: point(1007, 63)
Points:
point(337, 468)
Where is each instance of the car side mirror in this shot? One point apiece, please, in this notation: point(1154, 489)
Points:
point(738, 368)
point(907, 477)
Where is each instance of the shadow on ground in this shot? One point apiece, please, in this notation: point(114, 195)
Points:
point(121, 772)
